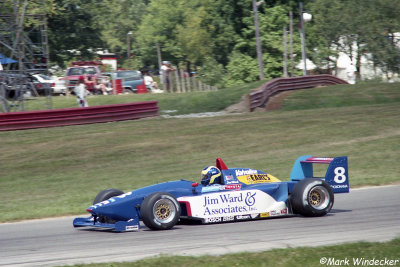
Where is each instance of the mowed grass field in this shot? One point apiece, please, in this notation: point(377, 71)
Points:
point(59, 171)
point(352, 254)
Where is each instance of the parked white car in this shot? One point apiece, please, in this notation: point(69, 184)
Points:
point(58, 86)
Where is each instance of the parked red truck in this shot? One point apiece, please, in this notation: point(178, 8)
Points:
point(84, 68)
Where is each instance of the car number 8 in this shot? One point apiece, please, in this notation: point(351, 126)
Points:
point(340, 176)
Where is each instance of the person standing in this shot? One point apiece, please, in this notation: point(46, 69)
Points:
point(165, 70)
point(80, 92)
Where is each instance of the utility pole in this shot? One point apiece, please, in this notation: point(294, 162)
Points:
point(258, 41)
point(159, 55)
point(303, 40)
point(128, 44)
point(291, 43)
point(285, 73)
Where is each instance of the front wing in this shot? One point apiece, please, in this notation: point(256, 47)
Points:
point(119, 226)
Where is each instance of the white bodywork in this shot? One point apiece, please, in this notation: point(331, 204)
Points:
point(233, 205)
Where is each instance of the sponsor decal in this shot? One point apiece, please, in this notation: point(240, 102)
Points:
point(132, 228)
point(227, 204)
point(232, 187)
point(214, 188)
point(124, 195)
point(278, 212)
point(212, 220)
point(229, 177)
point(339, 186)
point(264, 214)
point(240, 203)
point(111, 200)
point(242, 217)
point(245, 172)
point(228, 218)
point(257, 179)
point(232, 182)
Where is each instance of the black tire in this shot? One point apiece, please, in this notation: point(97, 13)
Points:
point(104, 195)
point(312, 198)
point(98, 92)
point(128, 90)
point(160, 211)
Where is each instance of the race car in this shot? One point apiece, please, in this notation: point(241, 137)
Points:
point(224, 195)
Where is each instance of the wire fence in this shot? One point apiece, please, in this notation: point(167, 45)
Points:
point(181, 82)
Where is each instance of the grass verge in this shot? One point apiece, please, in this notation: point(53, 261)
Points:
point(352, 254)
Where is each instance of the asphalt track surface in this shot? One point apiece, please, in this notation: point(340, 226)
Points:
point(368, 214)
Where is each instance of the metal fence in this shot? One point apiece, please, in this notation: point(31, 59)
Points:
point(75, 116)
point(260, 97)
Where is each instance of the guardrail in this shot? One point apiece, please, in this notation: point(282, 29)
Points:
point(75, 116)
point(260, 97)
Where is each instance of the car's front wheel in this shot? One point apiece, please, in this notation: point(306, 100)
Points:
point(312, 197)
point(160, 211)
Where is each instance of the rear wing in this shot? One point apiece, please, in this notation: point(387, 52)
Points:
point(337, 174)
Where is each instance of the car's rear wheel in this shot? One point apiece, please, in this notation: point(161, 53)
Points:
point(104, 195)
point(160, 211)
point(312, 197)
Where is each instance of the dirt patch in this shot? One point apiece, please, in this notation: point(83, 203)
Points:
point(274, 103)
point(238, 107)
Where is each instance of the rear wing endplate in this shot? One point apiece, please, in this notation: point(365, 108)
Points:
point(337, 174)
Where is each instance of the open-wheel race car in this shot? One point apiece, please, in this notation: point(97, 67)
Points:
point(224, 195)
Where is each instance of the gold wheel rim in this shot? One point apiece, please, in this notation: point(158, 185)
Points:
point(163, 211)
point(315, 198)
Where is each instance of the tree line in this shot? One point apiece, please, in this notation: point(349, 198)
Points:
point(216, 38)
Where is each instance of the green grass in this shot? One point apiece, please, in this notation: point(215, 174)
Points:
point(343, 95)
point(58, 171)
point(348, 253)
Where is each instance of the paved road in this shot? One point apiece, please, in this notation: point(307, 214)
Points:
point(369, 214)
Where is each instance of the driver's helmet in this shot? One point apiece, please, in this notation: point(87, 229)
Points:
point(210, 175)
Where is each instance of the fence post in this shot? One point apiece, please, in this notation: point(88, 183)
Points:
point(178, 86)
point(194, 83)
point(164, 81)
point(170, 85)
point(182, 80)
point(188, 83)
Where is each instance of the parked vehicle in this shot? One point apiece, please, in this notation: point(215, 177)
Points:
point(83, 68)
point(38, 86)
point(58, 86)
point(130, 79)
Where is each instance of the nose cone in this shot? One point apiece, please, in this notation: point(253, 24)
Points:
point(120, 208)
